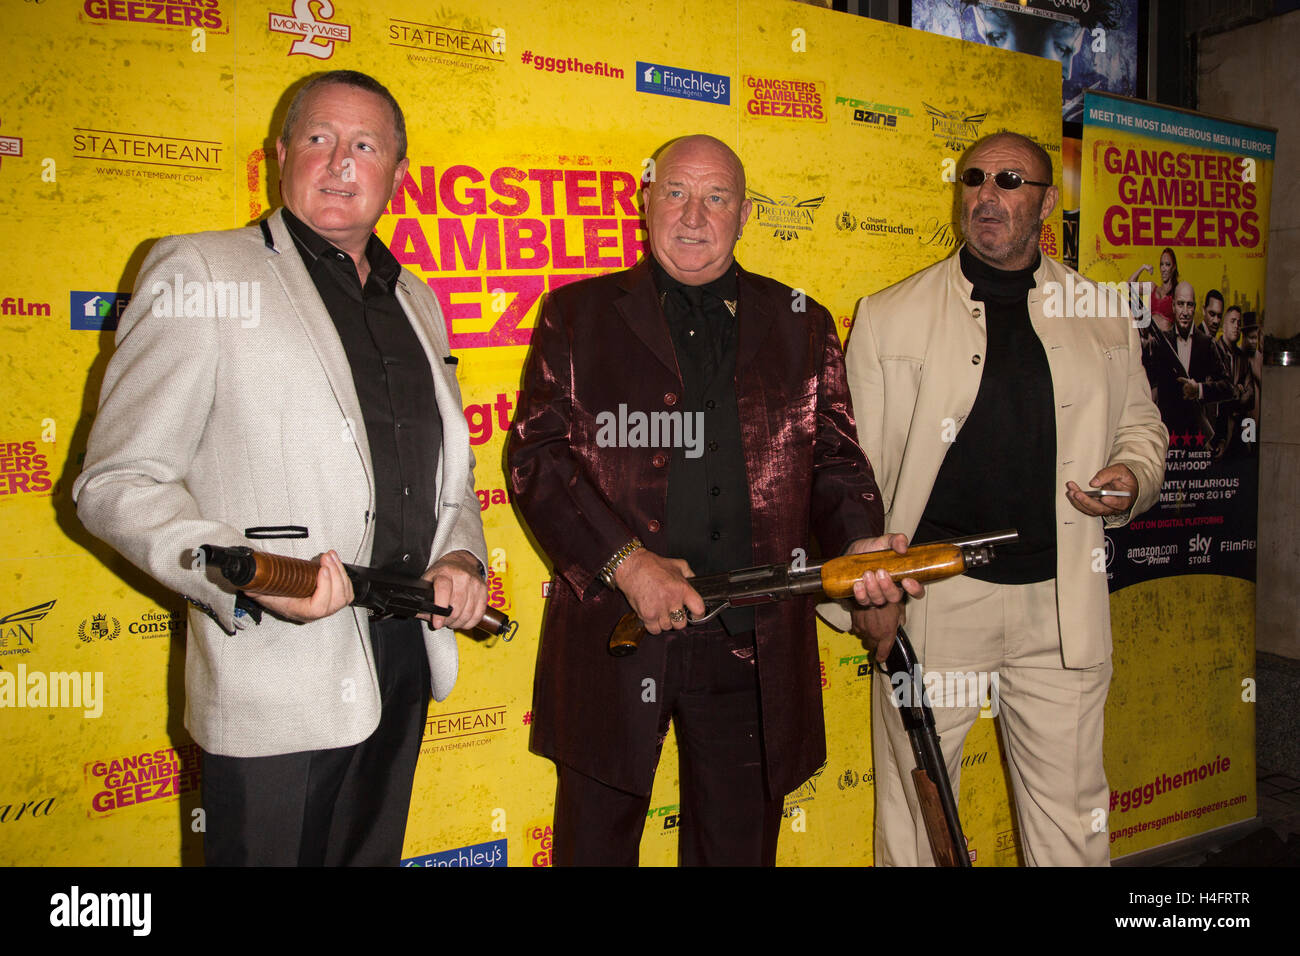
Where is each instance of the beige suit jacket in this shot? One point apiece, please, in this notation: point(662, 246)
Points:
point(210, 425)
point(914, 363)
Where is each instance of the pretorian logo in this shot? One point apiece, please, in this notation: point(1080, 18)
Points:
point(97, 627)
point(492, 853)
point(957, 128)
point(172, 13)
point(315, 32)
point(872, 115)
point(146, 149)
point(791, 99)
point(684, 84)
point(23, 470)
point(468, 45)
point(96, 311)
point(18, 628)
point(144, 777)
point(787, 216)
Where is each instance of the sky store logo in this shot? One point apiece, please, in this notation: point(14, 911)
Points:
point(683, 84)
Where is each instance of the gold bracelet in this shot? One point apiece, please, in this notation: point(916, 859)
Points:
point(606, 573)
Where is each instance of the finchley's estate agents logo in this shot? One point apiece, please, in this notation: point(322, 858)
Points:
point(684, 84)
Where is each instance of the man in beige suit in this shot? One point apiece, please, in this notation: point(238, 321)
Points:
point(291, 381)
point(979, 412)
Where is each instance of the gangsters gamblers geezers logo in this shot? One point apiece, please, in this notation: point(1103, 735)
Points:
point(133, 779)
point(170, 13)
point(792, 99)
point(787, 216)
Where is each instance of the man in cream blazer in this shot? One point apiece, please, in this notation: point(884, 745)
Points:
point(976, 408)
point(227, 426)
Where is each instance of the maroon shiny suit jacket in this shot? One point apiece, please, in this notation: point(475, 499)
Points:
point(604, 342)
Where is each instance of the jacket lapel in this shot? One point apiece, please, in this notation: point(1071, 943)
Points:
point(639, 308)
point(303, 303)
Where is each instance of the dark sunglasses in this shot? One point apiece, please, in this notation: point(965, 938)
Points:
point(1005, 179)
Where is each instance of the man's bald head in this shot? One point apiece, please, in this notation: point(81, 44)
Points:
point(690, 144)
point(1184, 308)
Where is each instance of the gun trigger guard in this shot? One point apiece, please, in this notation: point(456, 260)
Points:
point(712, 614)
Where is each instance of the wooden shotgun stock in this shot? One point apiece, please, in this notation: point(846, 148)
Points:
point(834, 578)
point(388, 594)
point(933, 788)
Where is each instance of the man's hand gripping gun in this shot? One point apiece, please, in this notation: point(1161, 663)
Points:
point(388, 595)
point(834, 578)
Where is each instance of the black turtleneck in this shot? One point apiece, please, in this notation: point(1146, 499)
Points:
point(1001, 470)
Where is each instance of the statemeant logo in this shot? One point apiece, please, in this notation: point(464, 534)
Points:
point(871, 114)
point(787, 216)
point(492, 853)
point(792, 99)
point(465, 728)
point(172, 13)
point(146, 149)
point(18, 628)
point(683, 84)
point(471, 48)
point(957, 128)
point(97, 311)
point(316, 34)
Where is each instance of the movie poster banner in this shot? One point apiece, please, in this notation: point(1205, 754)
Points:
point(1174, 228)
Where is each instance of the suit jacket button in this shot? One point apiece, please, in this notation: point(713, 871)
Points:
point(653, 525)
point(670, 398)
point(975, 359)
point(659, 460)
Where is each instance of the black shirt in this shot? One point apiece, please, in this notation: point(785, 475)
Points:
point(394, 387)
point(707, 515)
point(1000, 472)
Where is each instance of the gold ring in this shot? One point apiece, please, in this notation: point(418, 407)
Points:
point(677, 615)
